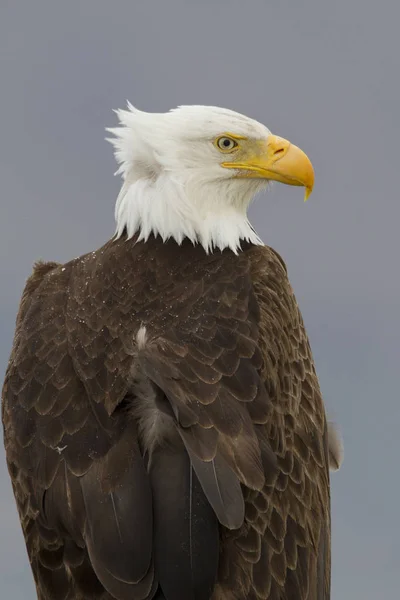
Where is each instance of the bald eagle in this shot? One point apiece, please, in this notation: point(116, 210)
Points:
point(164, 428)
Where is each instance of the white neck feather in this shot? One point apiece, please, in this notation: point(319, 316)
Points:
point(161, 206)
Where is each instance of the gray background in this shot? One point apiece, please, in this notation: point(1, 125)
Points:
point(323, 74)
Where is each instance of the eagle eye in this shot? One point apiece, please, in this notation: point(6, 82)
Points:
point(226, 144)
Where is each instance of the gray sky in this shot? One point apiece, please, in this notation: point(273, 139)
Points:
point(323, 74)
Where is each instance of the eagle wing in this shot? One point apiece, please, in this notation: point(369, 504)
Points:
point(80, 483)
point(238, 374)
point(224, 348)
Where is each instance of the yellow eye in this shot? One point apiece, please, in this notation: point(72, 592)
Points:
point(226, 144)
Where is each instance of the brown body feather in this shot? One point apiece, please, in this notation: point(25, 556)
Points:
point(164, 428)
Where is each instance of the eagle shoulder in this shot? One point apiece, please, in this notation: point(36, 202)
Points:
point(40, 270)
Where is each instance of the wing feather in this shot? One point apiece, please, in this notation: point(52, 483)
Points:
point(118, 504)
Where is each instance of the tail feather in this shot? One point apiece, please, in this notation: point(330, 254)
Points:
point(186, 536)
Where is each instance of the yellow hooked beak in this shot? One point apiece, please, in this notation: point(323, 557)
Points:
point(279, 160)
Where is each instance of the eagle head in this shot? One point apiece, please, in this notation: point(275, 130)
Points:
point(193, 171)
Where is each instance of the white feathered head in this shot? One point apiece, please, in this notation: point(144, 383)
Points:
point(192, 172)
